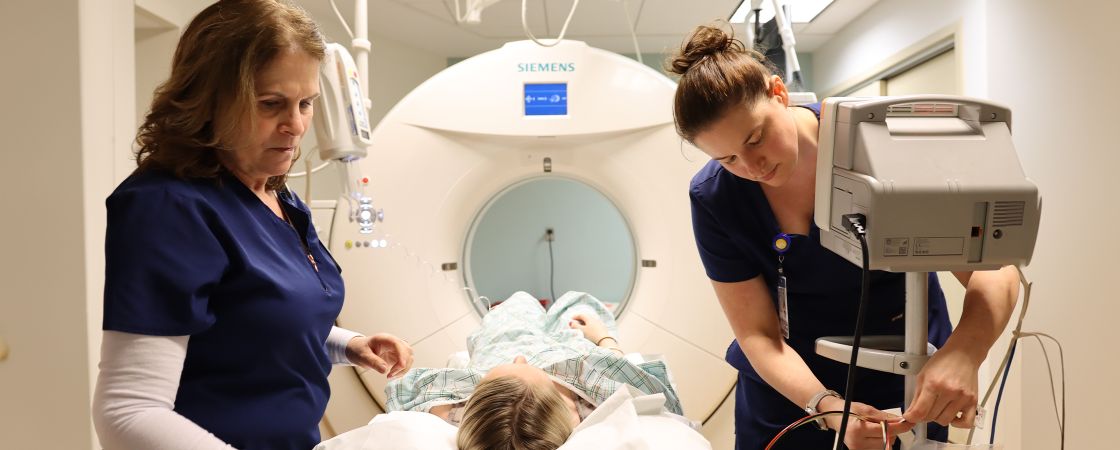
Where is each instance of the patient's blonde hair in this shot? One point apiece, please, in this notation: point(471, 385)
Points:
point(506, 413)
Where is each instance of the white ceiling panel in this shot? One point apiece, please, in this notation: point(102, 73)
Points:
point(661, 25)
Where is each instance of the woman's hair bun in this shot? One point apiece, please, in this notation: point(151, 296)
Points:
point(705, 41)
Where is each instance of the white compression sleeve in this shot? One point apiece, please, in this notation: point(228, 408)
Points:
point(336, 345)
point(133, 404)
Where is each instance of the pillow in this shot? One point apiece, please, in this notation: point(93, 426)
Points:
point(398, 430)
point(631, 420)
point(627, 420)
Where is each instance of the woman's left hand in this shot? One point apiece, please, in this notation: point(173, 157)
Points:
point(947, 386)
point(383, 352)
point(591, 326)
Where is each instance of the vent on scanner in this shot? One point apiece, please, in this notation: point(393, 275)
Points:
point(923, 109)
point(1006, 214)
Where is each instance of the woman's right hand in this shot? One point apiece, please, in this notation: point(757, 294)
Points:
point(591, 326)
point(863, 435)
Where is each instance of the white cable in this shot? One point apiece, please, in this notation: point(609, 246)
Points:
point(317, 169)
point(1050, 370)
point(433, 269)
point(458, 16)
point(1017, 335)
point(633, 34)
point(478, 298)
point(343, 21)
point(1007, 354)
point(563, 30)
point(307, 181)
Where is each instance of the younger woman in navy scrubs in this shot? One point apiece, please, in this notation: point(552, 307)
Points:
point(219, 297)
point(760, 183)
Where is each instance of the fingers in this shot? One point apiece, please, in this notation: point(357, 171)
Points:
point(388, 354)
point(897, 427)
point(870, 434)
point(404, 359)
point(864, 435)
point(920, 407)
point(967, 419)
point(400, 368)
point(376, 363)
point(945, 410)
point(948, 413)
point(588, 319)
point(577, 321)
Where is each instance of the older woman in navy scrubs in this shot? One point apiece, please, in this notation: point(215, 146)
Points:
point(219, 297)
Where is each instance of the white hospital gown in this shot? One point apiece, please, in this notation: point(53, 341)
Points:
point(519, 326)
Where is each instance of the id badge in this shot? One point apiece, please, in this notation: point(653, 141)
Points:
point(783, 306)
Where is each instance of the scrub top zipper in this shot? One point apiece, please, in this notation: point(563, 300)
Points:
point(306, 249)
point(310, 257)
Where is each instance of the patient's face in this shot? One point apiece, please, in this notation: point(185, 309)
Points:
point(521, 369)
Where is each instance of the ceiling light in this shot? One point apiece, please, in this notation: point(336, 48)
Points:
point(803, 11)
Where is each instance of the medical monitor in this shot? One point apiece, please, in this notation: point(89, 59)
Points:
point(936, 178)
point(546, 99)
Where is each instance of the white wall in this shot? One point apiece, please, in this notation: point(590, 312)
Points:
point(68, 103)
point(1054, 67)
point(894, 25)
point(1057, 69)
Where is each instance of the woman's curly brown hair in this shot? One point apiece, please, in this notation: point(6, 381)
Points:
point(196, 112)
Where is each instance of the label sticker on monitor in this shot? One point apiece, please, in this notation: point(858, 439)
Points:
point(546, 99)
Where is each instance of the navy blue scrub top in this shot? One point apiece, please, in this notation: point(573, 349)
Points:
point(208, 259)
point(734, 227)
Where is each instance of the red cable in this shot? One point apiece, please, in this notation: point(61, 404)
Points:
point(807, 419)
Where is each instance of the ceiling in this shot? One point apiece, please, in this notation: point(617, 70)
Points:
point(660, 25)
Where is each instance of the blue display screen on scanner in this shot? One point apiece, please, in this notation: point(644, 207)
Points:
point(546, 99)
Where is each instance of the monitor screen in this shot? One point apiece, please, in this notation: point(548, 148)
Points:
point(546, 99)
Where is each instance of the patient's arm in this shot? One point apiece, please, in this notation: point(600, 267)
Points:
point(595, 331)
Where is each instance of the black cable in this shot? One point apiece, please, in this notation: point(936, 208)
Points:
point(757, 28)
point(854, 223)
point(549, 236)
point(999, 396)
point(797, 83)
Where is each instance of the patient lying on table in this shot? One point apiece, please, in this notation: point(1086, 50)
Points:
point(533, 375)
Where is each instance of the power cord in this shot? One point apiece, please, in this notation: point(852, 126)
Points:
point(563, 30)
point(999, 395)
point(811, 418)
point(1004, 366)
point(854, 223)
point(633, 34)
point(550, 236)
point(343, 20)
point(1050, 371)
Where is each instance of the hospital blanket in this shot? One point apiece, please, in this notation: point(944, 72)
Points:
point(519, 326)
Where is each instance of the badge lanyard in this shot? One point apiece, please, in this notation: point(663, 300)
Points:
point(781, 245)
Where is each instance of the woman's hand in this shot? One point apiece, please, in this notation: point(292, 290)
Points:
point(589, 324)
point(863, 435)
point(383, 352)
point(946, 391)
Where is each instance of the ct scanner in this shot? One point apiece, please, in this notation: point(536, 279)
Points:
point(472, 131)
